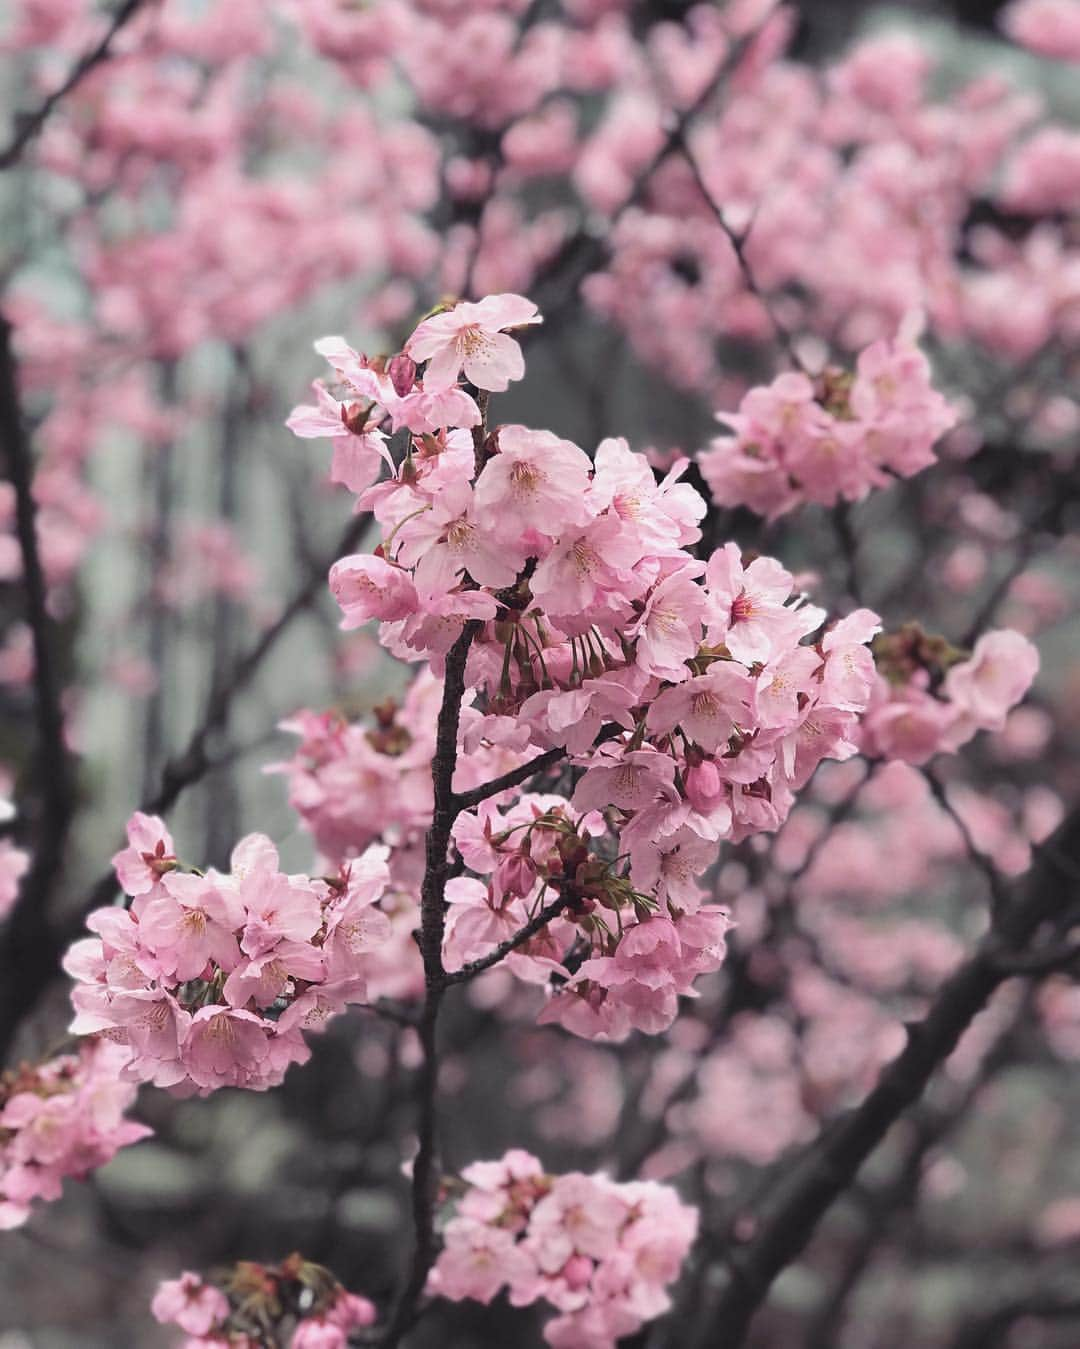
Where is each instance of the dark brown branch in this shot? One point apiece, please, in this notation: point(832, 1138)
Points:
point(425, 1179)
point(514, 778)
point(538, 921)
point(28, 124)
point(29, 949)
point(803, 1196)
point(849, 547)
point(883, 1205)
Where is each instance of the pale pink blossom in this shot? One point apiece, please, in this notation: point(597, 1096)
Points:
point(473, 337)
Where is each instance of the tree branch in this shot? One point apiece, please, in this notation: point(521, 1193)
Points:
point(521, 936)
point(425, 1178)
point(738, 244)
point(29, 124)
point(195, 759)
point(28, 953)
point(829, 1166)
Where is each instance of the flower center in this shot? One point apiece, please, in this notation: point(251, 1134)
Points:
point(525, 478)
point(473, 342)
point(742, 608)
point(583, 558)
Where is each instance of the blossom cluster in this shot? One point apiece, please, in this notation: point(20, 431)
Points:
point(697, 696)
point(210, 980)
point(63, 1117)
point(798, 441)
point(929, 698)
point(602, 1253)
point(249, 1306)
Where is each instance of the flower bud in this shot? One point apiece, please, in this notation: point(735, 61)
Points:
point(577, 1271)
point(402, 372)
point(705, 788)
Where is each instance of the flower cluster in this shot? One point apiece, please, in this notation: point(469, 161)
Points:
point(469, 337)
point(930, 698)
point(832, 440)
point(698, 696)
point(63, 1117)
point(210, 980)
point(251, 1306)
point(602, 1253)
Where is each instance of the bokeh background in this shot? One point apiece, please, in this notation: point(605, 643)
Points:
point(239, 179)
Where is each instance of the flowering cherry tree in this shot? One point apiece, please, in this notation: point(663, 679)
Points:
point(683, 808)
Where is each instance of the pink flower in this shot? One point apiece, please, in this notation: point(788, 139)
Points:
point(472, 337)
point(848, 677)
point(150, 854)
point(476, 921)
point(226, 1047)
point(368, 587)
point(477, 1261)
point(627, 779)
point(537, 481)
point(584, 565)
point(748, 607)
point(578, 1217)
point(669, 632)
point(998, 675)
point(187, 1302)
point(705, 788)
point(359, 447)
point(351, 1311)
point(62, 1117)
point(193, 922)
point(708, 707)
point(1049, 27)
point(315, 1332)
point(450, 540)
point(668, 866)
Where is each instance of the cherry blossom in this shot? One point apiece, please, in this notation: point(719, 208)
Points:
point(473, 337)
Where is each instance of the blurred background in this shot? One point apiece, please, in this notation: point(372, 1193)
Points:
point(236, 180)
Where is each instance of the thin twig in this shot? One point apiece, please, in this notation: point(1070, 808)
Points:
point(998, 893)
point(517, 776)
point(521, 936)
point(195, 759)
point(29, 124)
point(738, 244)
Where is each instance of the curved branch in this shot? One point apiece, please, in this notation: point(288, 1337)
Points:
point(521, 936)
point(830, 1165)
point(29, 124)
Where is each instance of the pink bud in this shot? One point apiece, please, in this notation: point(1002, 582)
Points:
point(402, 372)
point(705, 788)
point(577, 1272)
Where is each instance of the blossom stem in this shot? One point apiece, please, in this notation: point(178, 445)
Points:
point(521, 936)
